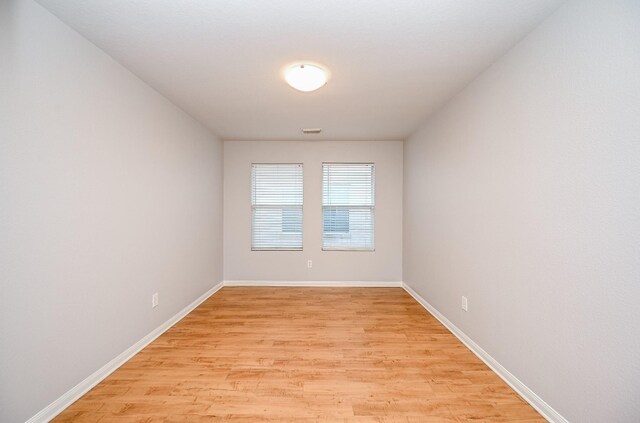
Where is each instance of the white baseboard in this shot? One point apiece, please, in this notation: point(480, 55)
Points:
point(335, 284)
point(56, 407)
point(527, 394)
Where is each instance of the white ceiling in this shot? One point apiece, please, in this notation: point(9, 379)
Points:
point(392, 62)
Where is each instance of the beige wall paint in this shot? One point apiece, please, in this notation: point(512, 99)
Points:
point(108, 193)
point(240, 263)
point(523, 194)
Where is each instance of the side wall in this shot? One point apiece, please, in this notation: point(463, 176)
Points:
point(108, 193)
point(523, 194)
point(384, 264)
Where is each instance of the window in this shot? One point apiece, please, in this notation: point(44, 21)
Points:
point(348, 206)
point(336, 221)
point(276, 206)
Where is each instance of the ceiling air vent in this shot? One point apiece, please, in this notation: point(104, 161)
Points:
point(311, 130)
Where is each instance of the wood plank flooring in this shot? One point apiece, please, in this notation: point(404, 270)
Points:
point(304, 355)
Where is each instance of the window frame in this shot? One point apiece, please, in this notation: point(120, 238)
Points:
point(274, 206)
point(372, 208)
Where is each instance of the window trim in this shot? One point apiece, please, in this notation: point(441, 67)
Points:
point(253, 207)
point(372, 208)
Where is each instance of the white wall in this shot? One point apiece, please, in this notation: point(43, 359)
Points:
point(108, 193)
point(523, 193)
point(384, 264)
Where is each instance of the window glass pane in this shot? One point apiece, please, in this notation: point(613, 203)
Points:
point(336, 220)
point(292, 220)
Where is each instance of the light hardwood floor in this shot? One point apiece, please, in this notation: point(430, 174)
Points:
point(304, 355)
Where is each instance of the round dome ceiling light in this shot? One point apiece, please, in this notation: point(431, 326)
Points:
point(306, 77)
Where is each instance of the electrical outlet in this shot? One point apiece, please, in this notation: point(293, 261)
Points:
point(154, 300)
point(464, 303)
point(309, 264)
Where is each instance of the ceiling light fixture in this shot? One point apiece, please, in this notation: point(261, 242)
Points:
point(306, 77)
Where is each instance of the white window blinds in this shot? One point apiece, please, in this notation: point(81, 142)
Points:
point(348, 206)
point(276, 205)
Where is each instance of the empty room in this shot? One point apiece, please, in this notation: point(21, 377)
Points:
point(362, 211)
